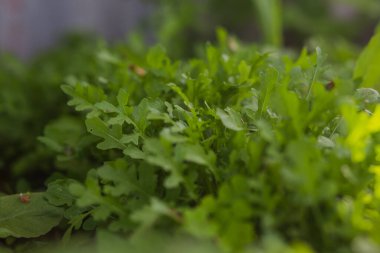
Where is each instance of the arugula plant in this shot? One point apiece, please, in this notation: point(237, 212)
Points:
point(241, 149)
point(238, 150)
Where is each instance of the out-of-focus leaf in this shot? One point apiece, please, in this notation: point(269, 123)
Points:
point(30, 219)
point(368, 63)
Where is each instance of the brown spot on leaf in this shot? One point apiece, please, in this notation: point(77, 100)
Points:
point(137, 70)
point(25, 198)
point(330, 85)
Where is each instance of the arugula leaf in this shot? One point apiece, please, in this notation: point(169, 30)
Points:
point(111, 135)
point(366, 66)
point(30, 219)
point(230, 119)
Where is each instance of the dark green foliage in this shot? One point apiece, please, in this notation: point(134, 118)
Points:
point(29, 99)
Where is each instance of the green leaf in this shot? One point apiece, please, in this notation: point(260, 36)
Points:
point(27, 220)
point(84, 96)
point(52, 144)
point(231, 119)
point(134, 152)
point(149, 214)
point(101, 213)
point(65, 132)
point(58, 194)
point(111, 136)
point(124, 179)
point(244, 71)
point(160, 154)
point(157, 57)
point(197, 221)
point(368, 63)
point(130, 138)
point(106, 107)
point(123, 98)
point(196, 154)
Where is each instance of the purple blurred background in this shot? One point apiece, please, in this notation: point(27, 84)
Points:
point(29, 26)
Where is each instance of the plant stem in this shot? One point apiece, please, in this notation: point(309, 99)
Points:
point(269, 12)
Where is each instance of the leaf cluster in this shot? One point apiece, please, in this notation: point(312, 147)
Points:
point(238, 150)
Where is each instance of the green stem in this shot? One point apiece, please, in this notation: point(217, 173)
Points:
point(270, 18)
point(312, 82)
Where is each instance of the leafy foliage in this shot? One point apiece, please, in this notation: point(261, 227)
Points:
point(235, 148)
point(238, 150)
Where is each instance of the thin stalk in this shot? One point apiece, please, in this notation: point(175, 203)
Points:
point(312, 82)
point(270, 18)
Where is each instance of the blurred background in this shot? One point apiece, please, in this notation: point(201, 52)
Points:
point(27, 27)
